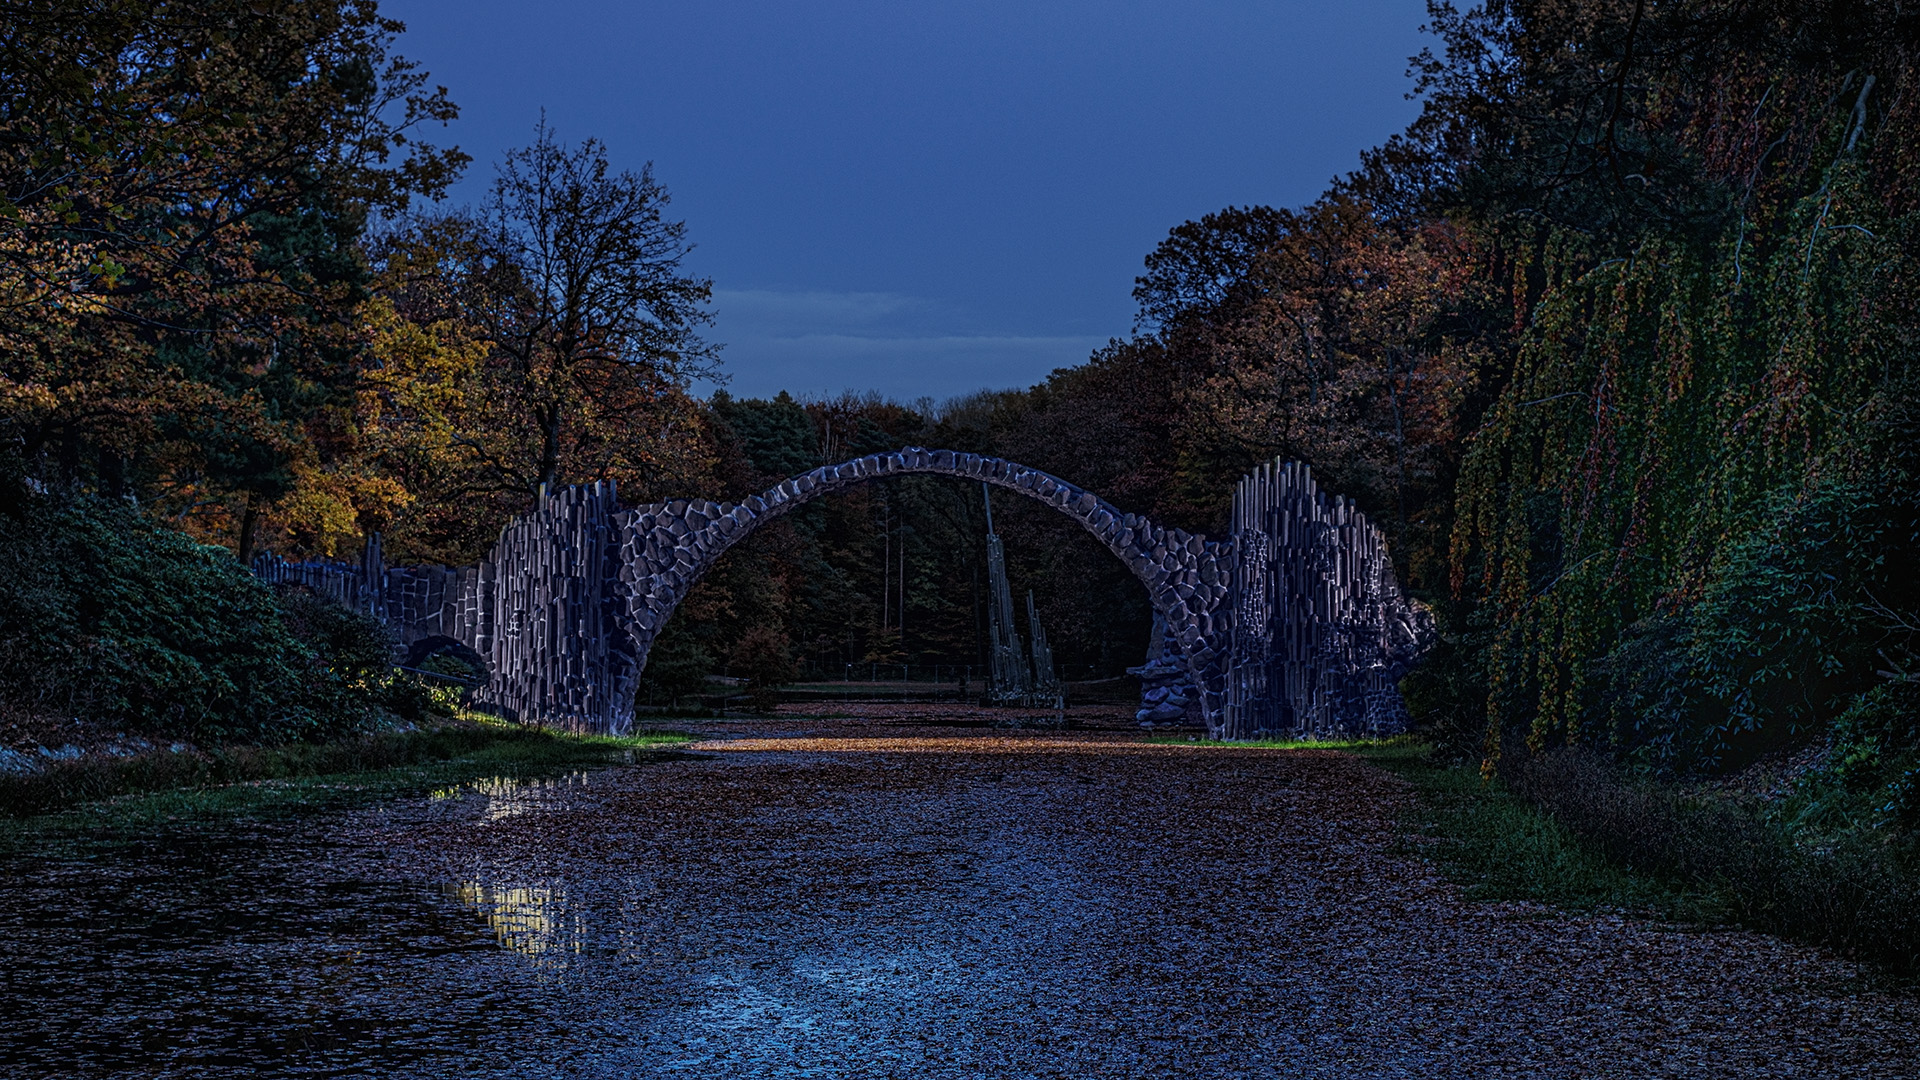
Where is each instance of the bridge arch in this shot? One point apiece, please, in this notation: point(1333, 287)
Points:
point(671, 545)
point(1294, 624)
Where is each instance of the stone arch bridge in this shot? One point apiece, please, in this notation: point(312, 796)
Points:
point(1293, 623)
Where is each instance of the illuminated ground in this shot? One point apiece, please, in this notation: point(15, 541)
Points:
point(821, 897)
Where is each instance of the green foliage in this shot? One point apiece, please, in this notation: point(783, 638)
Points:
point(1679, 525)
point(677, 666)
point(775, 438)
point(1774, 867)
point(1446, 699)
point(1876, 758)
point(354, 646)
point(115, 618)
point(1499, 847)
point(1566, 828)
point(418, 698)
point(1779, 644)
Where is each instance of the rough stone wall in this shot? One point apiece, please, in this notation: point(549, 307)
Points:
point(1321, 631)
point(567, 605)
point(539, 610)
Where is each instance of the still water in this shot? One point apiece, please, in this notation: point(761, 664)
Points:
point(586, 925)
point(935, 907)
point(295, 949)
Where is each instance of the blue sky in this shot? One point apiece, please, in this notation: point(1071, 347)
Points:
point(927, 199)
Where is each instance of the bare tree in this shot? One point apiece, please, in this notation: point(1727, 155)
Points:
point(581, 290)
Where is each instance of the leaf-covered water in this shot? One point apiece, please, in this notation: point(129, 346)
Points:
point(858, 898)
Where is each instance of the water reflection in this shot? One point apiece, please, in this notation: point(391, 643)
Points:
point(533, 920)
point(509, 797)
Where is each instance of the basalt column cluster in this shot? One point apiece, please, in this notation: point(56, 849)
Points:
point(566, 606)
point(544, 610)
point(1321, 631)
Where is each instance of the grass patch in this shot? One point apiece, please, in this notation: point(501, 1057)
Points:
point(1567, 830)
point(91, 795)
point(1498, 846)
point(1855, 889)
point(1266, 744)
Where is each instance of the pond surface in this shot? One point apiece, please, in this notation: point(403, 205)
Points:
point(283, 948)
point(925, 904)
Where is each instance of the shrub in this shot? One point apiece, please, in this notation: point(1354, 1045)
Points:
point(112, 617)
point(1850, 890)
point(1783, 639)
point(1447, 699)
point(352, 645)
point(1651, 829)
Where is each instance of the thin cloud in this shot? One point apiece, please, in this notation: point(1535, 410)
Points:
point(906, 367)
point(781, 311)
point(820, 342)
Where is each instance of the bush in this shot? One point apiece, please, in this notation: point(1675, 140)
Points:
point(1446, 697)
point(1707, 843)
point(353, 652)
point(1852, 891)
point(1788, 633)
point(352, 645)
point(114, 618)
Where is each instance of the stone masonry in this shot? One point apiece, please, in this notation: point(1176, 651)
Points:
point(567, 605)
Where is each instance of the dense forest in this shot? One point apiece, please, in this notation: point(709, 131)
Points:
point(1616, 341)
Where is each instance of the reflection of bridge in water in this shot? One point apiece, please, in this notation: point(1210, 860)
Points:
point(1293, 623)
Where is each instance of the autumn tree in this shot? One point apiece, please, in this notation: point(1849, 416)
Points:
point(182, 188)
point(574, 276)
point(1329, 335)
point(546, 337)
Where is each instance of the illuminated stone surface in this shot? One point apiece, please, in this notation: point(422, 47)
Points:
point(1292, 623)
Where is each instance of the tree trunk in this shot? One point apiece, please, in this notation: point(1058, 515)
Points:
point(249, 525)
point(550, 449)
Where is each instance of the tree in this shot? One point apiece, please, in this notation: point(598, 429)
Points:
point(182, 189)
point(1703, 216)
point(576, 280)
point(546, 338)
point(1330, 335)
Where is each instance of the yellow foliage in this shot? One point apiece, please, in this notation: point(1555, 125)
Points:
point(406, 423)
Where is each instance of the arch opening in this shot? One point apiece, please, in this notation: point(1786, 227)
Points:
point(678, 542)
point(890, 579)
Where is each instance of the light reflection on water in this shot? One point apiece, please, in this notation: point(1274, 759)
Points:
point(510, 797)
point(533, 920)
point(529, 917)
point(290, 950)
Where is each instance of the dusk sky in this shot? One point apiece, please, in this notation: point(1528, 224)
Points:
point(926, 199)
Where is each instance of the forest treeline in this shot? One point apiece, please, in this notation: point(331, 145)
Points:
point(1615, 341)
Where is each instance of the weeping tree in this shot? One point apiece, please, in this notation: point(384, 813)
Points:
point(1685, 526)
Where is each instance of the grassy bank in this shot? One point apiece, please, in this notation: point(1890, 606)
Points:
point(1492, 843)
point(1498, 846)
point(98, 793)
point(1568, 830)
